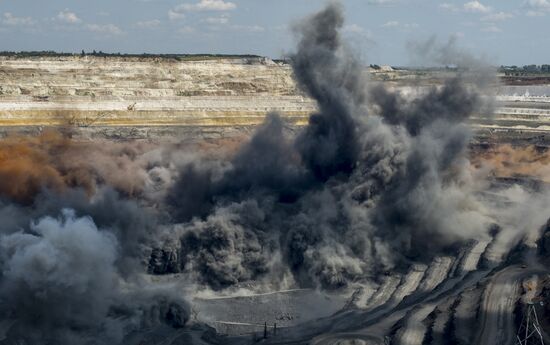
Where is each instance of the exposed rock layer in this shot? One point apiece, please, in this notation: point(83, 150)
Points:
point(117, 91)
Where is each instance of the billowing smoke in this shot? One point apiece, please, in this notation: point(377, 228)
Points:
point(73, 275)
point(329, 145)
point(26, 166)
point(507, 161)
point(77, 222)
point(65, 281)
point(73, 243)
point(51, 160)
point(351, 195)
point(66, 259)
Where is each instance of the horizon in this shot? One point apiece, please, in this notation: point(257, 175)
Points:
point(45, 53)
point(380, 31)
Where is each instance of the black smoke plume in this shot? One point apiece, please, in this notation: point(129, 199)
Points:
point(350, 195)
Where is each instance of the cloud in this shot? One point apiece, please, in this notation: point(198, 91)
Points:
point(448, 7)
point(353, 28)
point(531, 13)
point(248, 28)
point(223, 19)
point(175, 14)
point(68, 17)
point(186, 30)
point(497, 17)
point(178, 12)
point(476, 7)
point(105, 29)
point(472, 6)
point(396, 24)
point(207, 5)
point(458, 34)
point(390, 24)
point(537, 8)
point(491, 28)
point(148, 24)
point(538, 4)
point(11, 20)
point(381, 2)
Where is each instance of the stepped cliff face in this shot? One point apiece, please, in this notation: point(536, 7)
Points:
point(125, 91)
point(144, 97)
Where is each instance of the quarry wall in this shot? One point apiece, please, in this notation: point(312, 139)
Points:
point(92, 90)
point(95, 91)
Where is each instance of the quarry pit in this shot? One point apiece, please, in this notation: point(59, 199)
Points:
point(221, 221)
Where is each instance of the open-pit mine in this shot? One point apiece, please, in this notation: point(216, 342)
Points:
point(241, 200)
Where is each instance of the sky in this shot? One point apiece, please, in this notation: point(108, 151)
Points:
point(380, 31)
